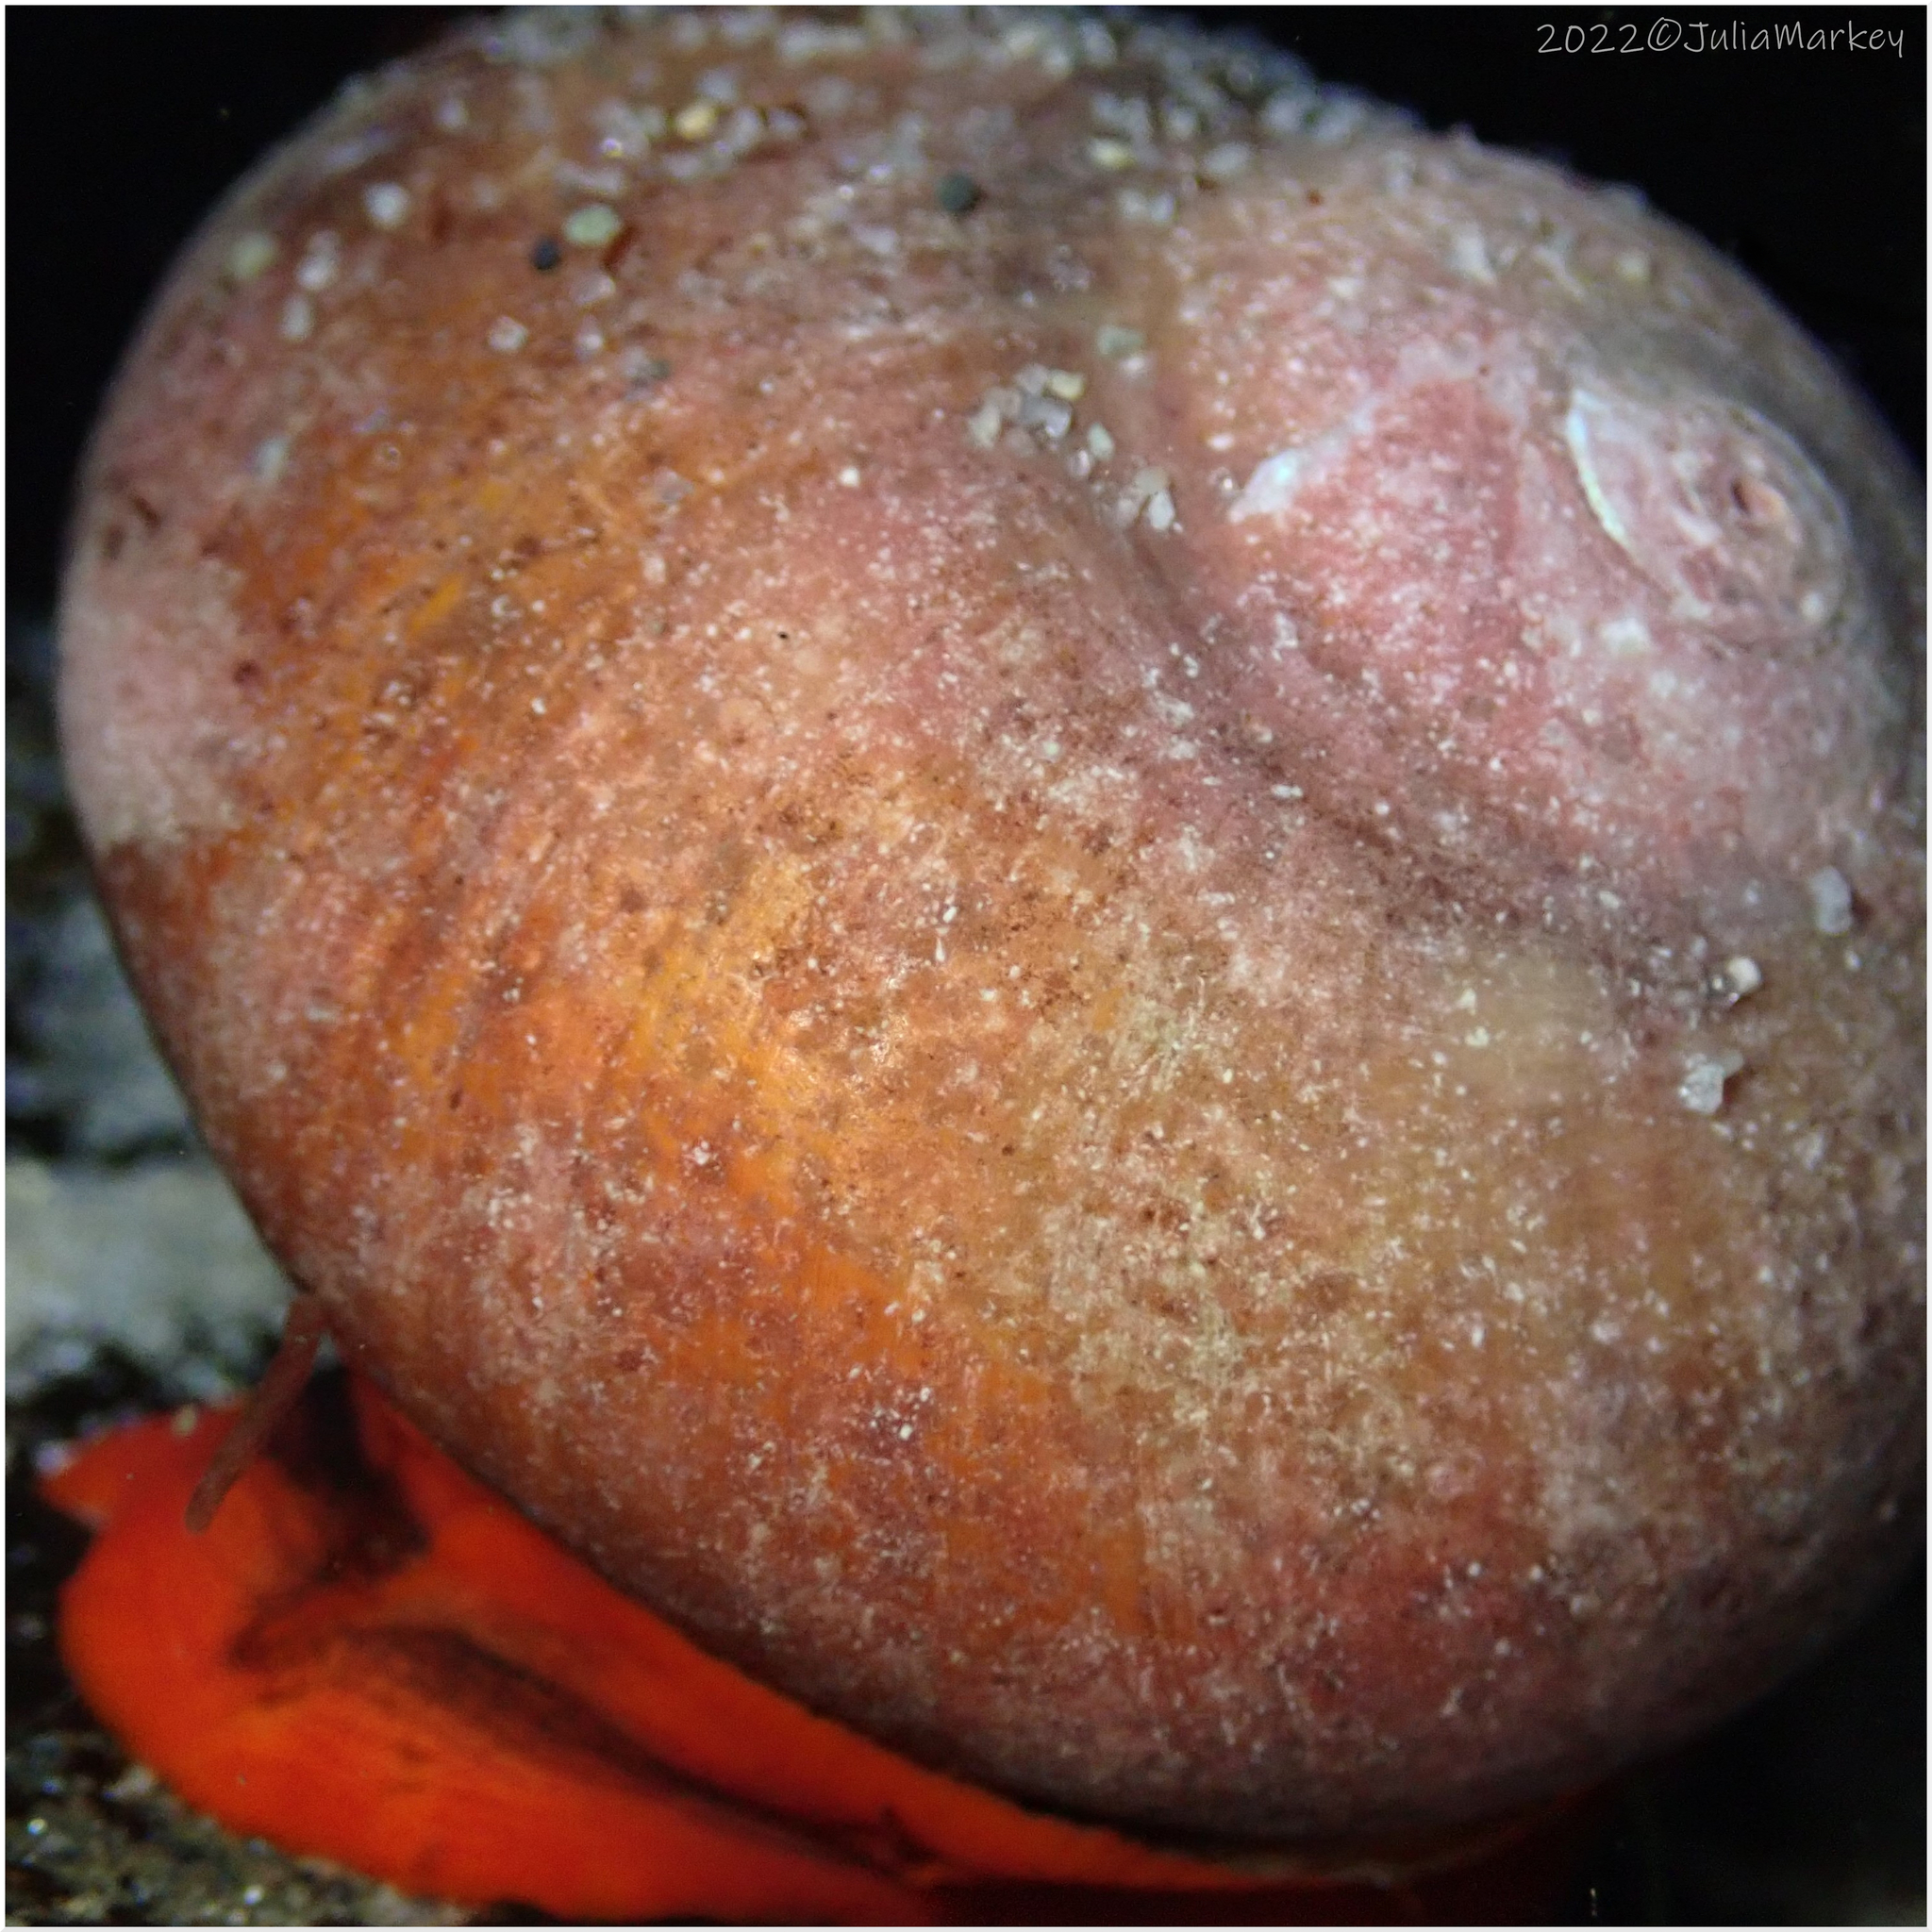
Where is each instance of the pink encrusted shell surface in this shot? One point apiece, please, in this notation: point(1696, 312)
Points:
point(1128, 969)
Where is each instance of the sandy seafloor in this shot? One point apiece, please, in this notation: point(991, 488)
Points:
point(134, 1282)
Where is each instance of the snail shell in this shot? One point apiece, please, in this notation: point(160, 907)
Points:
point(1127, 968)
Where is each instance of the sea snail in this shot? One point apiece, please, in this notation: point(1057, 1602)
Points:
point(1085, 893)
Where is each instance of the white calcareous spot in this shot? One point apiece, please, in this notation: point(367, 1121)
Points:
point(1468, 256)
point(1339, 119)
point(817, 39)
point(1272, 485)
point(1288, 110)
point(508, 335)
point(1128, 114)
point(1702, 1088)
point(1149, 491)
point(359, 149)
point(1831, 901)
point(250, 253)
point(1276, 481)
point(601, 180)
point(627, 131)
point(745, 127)
point(1154, 208)
point(1577, 438)
point(298, 319)
point(1051, 417)
point(1742, 976)
point(593, 226)
point(694, 122)
point(1225, 163)
point(386, 204)
point(320, 261)
point(1625, 637)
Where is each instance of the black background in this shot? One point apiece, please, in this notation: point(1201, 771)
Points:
point(1809, 168)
